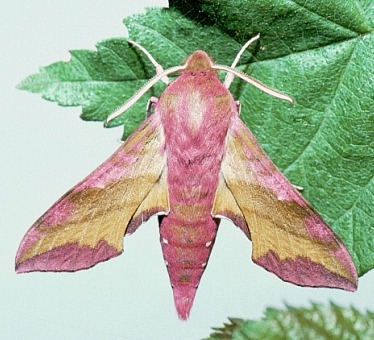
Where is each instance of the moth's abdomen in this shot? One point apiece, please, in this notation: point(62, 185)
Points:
point(186, 247)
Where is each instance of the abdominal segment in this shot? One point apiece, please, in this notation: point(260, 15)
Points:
point(186, 246)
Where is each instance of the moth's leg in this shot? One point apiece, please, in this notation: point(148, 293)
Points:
point(238, 106)
point(151, 106)
point(230, 77)
point(158, 67)
point(297, 187)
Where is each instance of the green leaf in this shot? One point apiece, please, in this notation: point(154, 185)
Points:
point(98, 81)
point(317, 322)
point(318, 52)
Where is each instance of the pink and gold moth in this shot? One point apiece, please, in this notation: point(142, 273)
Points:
point(192, 162)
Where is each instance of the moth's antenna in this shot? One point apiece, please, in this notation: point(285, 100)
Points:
point(230, 77)
point(161, 74)
point(142, 90)
point(159, 68)
point(254, 82)
point(231, 72)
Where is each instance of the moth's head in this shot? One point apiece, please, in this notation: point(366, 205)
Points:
point(199, 61)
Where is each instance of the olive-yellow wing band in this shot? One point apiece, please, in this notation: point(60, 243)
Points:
point(87, 225)
point(289, 238)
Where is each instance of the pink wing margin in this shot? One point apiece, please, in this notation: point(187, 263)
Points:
point(87, 225)
point(289, 238)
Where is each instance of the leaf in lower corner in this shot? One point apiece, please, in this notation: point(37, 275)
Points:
point(226, 332)
point(319, 322)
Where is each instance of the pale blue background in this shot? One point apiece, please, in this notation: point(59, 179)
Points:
point(45, 150)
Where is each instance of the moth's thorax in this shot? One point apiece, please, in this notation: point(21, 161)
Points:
point(196, 111)
point(197, 99)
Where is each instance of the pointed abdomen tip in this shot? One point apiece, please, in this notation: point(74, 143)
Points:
point(183, 298)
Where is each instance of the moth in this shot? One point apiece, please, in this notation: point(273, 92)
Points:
point(192, 162)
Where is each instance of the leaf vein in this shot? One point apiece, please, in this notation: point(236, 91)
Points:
point(328, 111)
point(320, 16)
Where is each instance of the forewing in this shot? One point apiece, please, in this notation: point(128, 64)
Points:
point(88, 223)
point(289, 238)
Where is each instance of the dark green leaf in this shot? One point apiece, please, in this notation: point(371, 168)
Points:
point(317, 322)
point(99, 81)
